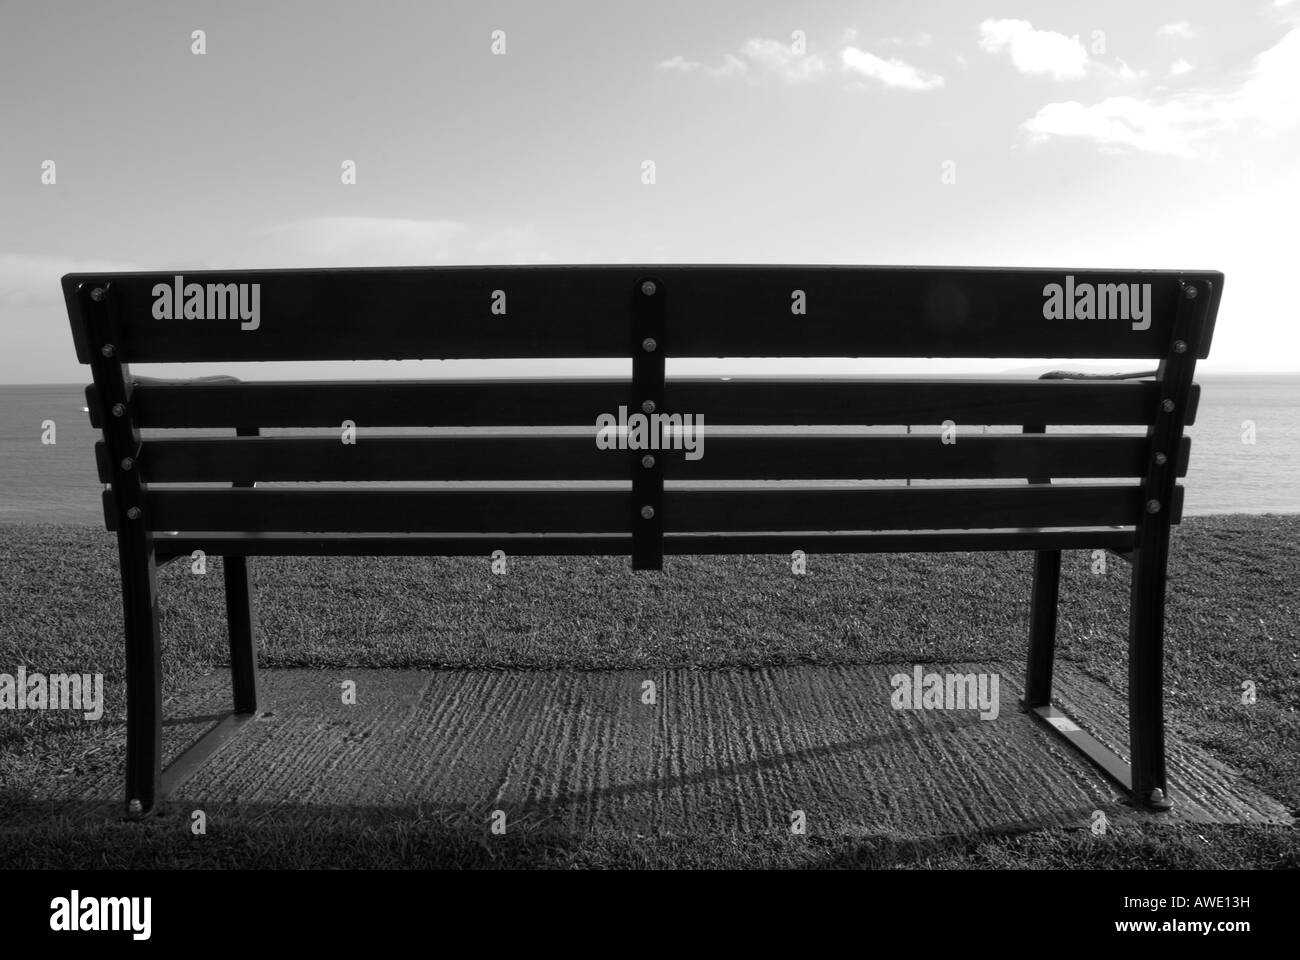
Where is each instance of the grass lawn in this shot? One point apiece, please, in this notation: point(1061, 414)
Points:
point(1232, 616)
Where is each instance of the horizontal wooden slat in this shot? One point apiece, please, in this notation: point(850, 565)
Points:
point(725, 456)
point(583, 311)
point(579, 511)
point(405, 544)
point(558, 402)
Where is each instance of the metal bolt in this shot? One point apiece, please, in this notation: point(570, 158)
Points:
point(135, 808)
point(1153, 506)
point(648, 288)
point(127, 463)
point(1190, 292)
point(647, 513)
point(647, 461)
point(1180, 346)
point(648, 407)
point(97, 294)
point(106, 349)
point(133, 513)
point(119, 409)
point(1161, 459)
point(648, 344)
point(1167, 406)
point(1157, 795)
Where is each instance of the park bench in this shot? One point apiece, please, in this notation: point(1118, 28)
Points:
point(1124, 495)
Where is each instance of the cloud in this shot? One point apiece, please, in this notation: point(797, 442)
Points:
point(777, 59)
point(1035, 51)
point(27, 280)
point(758, 56)
point(1179, 28)
point(1269, 93)
point(387, 242)
point(1179, 125)
point(358, 241)
point(1179, 67)
point(892, 72)
point(1117, 122)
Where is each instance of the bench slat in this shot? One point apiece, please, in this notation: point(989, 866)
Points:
point(584, 311)
point(577, 401)
point(742, 510)
point(550, 456)
point(482, 545)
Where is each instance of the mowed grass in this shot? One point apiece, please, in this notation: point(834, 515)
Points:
point(1232, 617)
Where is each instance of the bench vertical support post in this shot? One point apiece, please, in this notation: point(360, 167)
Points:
point(1042, 628)
point(648, 347)
point(1045, 595)
point(1151, 557)
point(135, 545)
point(241, 621)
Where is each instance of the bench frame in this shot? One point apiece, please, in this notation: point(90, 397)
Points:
point(141, 552)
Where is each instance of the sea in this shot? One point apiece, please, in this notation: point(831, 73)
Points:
point(1245, 450)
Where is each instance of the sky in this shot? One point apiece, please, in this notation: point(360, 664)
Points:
point(968, 133)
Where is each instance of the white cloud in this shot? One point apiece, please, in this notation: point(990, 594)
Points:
point(678, 63)
point(1179, 67)
point(358, 242)
point(1269, 94)
point(1035, 51)
point(892, 72)
point(1179, 28)
point(776, 58)
point(758, 56)
point(1179, 125)
point(386, 242)
point(1117, 122)
point(28, 280)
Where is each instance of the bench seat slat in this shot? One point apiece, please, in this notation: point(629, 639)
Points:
point(742, 510)
point(617, 544)
point(575, 401)
point(552, 456)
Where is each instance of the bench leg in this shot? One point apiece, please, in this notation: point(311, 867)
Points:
point(1042, 629)
point(143, 673)
point(241, 616)
point(1146, 675)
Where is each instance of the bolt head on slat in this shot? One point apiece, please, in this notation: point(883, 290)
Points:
point(135, 808)
point(648, 407)
point(133, 513)
point(647, 512)
point(648, 288)
point(97, 294)
point(1180, 346)
point(1161, 459)
point(107, 350)
point(1190, 292)
point(1153, 506)
point(127, 463)
point(649, 345)
point(1167, 406)
point(119, 409)
point(647, 461)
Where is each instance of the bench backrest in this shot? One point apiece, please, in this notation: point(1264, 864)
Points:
point(645, 313)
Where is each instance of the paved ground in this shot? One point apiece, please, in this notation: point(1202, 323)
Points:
point(720, 751)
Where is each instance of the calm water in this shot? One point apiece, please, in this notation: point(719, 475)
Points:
point(58, 483)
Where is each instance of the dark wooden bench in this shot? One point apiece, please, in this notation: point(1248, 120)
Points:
point(645, 314)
